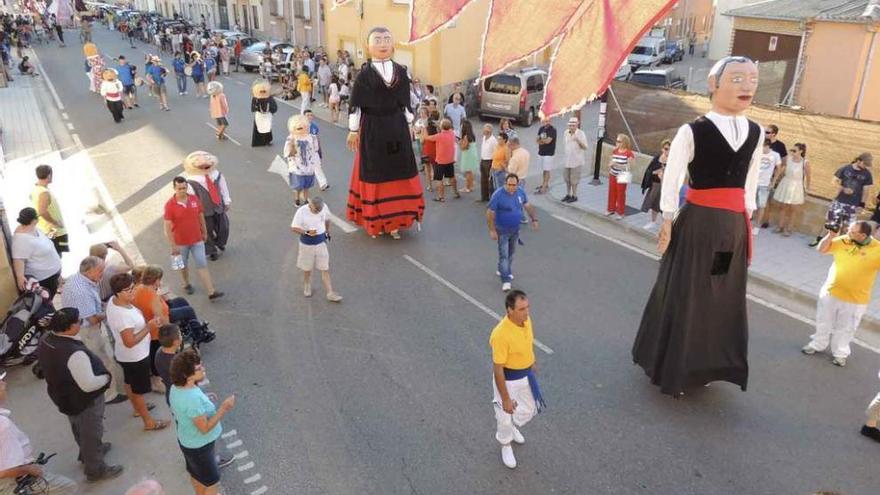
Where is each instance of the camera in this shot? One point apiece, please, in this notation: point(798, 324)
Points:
point(838, 217)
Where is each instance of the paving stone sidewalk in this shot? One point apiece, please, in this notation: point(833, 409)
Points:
point(787, 263)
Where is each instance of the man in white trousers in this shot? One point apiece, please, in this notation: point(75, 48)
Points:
point(847, 291)
point(517, 396)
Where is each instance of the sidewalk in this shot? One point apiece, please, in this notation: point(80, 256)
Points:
point(27, 142)
point(785, 263)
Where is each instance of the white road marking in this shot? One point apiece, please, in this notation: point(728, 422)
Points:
point(260, 491)
point(64, 115)
point(245, 467)
point(253, 479)
point(241, 455)
point(279, 166)
point(70, 126)
point(230, 433)
point(750, 297)
point(467, 297)
point(48, 81)
point(234, 444)
point(227, 135)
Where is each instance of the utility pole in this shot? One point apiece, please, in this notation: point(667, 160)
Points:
point(600, 135)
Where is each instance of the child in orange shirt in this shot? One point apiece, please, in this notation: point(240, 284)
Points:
point(445, 167)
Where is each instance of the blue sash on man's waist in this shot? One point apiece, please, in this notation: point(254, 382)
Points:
point(511, 374)
point(312, 240)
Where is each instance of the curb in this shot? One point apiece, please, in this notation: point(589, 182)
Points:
point(763, 281)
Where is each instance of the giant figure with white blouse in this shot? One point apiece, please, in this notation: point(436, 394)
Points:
point(694, 328)
point(385, 195)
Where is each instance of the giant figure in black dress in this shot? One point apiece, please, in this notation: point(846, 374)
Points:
point(694, 329)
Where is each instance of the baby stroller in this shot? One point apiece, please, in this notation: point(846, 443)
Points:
point(195, 333)
point(24, 324)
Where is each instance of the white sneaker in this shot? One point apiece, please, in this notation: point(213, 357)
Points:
point(505, 286)
point(334, 297)
point(808, 350)
point(307, 290)
point(648, 226)
point(499, 274)
point(619, 217)
point(507, 456)
point(518, 437)
point(839, 362)
point(756, 230)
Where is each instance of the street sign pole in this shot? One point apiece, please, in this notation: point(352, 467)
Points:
point(600, 135)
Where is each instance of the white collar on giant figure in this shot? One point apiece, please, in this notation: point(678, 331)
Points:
point(385, 68)
point(734, 128)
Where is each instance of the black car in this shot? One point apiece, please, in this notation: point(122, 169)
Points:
point(663, 78)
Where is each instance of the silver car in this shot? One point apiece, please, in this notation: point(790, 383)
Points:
point(514, 95)
point(252, 56)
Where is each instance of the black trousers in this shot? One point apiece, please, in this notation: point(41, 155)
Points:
point(115, 110)
point(218, 232)
point(485, 179)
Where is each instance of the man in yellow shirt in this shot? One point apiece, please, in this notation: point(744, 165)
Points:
point(47, 207)
point(517, 397)
point(304, 86)
point(847, 291)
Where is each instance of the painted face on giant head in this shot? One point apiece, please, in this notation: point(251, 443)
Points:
point(199, 163)
point(380, 44)
point(733, 82)
point(90, 50)
point(298, 125)
point(109, 75)
point(261, 89)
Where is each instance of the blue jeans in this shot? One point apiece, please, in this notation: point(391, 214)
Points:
point(181, 83)
point(506, 247)
point(498, 177)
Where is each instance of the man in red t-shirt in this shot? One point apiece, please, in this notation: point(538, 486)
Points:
point(186, 232)
point(237, 51)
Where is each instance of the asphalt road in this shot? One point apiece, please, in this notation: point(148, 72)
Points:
point(389, 392)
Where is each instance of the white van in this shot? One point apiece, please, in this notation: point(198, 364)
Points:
point(648, 52)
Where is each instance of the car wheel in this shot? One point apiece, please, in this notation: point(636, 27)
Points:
point(482, 117)
point(248, 68)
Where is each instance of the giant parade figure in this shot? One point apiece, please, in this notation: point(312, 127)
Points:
point(385, 194)
point(94, 65)
point(694, 329)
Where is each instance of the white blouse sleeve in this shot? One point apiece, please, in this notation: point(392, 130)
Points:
point(681, 152)
point(354, 120)
point(752, 177)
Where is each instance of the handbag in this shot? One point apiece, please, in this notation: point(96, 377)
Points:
point(624, 177)
point(263, 120)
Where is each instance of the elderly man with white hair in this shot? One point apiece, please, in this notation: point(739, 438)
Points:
point(312, 223)
point(146, 487)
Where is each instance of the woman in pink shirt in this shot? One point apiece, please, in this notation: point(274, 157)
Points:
point(445, 167)
point(219, 108)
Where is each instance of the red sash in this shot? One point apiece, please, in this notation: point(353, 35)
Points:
point(724, 198)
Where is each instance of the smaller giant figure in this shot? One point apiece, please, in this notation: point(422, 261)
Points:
point(694, 328)
point(385, 193)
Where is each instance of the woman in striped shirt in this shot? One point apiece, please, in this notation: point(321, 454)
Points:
point(619, 167)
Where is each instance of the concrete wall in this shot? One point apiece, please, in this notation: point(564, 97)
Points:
point(834, 57)
point(722, 27)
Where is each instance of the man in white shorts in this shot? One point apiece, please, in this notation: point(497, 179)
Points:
point(768, 175)
point(312, 223)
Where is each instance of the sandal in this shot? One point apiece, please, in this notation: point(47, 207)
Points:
point(439, 200)
point(457, 196)
point(159, 424)
point(150, 407)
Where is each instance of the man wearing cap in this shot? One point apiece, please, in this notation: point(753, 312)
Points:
point(852, 181)
point(76, 380)
point(17, 456)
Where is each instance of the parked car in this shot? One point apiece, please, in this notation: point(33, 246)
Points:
point(648, 52)
point(663, 78)
point(252, 56)
point(674, 52)
point(231, 37)
point(515, 95)
point(624, 72)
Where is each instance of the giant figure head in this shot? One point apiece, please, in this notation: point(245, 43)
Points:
point(733, 82)
point(380, 44)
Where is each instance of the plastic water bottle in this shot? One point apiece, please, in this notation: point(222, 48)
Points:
point(177, 262)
